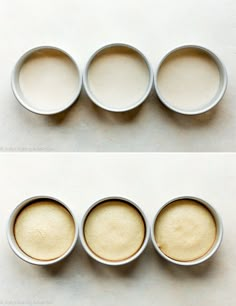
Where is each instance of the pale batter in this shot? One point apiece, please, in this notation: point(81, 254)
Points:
point(114, 230)
point(185, 230)
point(44, 230)
point(188, 79)
point(48, 80)
point(118, 77)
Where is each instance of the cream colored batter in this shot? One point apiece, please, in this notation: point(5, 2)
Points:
point(185, 230)
point(118, 77)
point(114, 230)
point(44, 230)
point(48, 80)
point(188, 79)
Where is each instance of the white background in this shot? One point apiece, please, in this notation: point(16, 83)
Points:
point(82, 26)
point(148, 179)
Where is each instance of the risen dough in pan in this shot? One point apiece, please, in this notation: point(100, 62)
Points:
point(114, 230)
point(185, 230)
point(44, 230)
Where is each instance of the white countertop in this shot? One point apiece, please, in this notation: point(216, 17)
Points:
point(80, 27)
point(150, 181)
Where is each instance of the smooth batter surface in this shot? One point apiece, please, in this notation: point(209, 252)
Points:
point(188, 79)
point(44, 230)
point(114, 230)
point(48, 80)
point(185, 230)
point(118, 77)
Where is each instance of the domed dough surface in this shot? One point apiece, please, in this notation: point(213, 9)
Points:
point(185, 230)
point(44, 230)
point(114, 230)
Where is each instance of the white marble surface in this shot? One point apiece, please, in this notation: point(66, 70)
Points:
point(148, 179)
point(80, 27)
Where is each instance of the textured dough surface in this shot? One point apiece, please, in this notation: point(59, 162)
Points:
point(48, 80)
point(44, 230)
point(188, 79)
point(118, 77)
point(185, 230)
point(114, 230)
